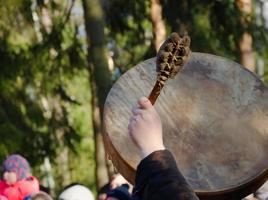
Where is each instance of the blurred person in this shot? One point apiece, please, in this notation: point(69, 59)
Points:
point(102, 193)
point(17, 182)
point(116, 181)
point(39, 196)
point(76, 192)
point(262, 192)
point(3, 197)
point(44, 189)
point(119, 193)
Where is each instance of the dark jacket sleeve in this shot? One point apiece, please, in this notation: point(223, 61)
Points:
point(158, 178)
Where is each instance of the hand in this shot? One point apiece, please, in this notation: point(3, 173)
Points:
point(118, 180)
point(145, 128)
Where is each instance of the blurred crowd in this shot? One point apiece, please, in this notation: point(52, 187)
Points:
point(18, 183)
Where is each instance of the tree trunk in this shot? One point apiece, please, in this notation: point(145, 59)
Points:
point(159, 29)
point(100, 79)
point(62, 170)
point(246, 40)
point(177, 13)
point(265, 13)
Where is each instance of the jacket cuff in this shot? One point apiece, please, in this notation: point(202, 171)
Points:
point(156, 163)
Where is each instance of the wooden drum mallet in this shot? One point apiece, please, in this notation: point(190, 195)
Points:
point(171, 57)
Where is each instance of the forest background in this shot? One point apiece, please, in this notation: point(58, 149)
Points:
point(59, 58)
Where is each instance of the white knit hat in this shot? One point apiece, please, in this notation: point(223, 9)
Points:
point(76, 192)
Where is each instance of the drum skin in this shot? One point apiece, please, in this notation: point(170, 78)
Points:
point(215, 122)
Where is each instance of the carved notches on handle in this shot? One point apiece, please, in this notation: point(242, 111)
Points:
point(171, 57)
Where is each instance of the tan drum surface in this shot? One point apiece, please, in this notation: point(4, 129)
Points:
point(215, 122)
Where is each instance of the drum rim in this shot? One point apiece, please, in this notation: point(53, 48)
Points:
point(259, 179)
point(244, 188)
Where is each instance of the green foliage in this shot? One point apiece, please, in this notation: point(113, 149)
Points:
point(129, 32)
point(45, 95)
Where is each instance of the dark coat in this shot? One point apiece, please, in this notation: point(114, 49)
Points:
point(158, 178)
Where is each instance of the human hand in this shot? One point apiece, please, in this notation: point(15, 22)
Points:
point(145, 128)
point(102, 196)
point(117, 180)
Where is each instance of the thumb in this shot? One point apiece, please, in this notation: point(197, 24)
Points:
point(144, 103)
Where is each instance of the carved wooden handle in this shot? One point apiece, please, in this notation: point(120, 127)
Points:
point(171, 57)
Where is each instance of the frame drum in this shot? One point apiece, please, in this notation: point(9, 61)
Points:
point(215, 122)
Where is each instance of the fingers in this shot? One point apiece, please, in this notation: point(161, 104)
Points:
point(135, 119)
point(139, 112)
point(136, 111)
point(144, 103)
